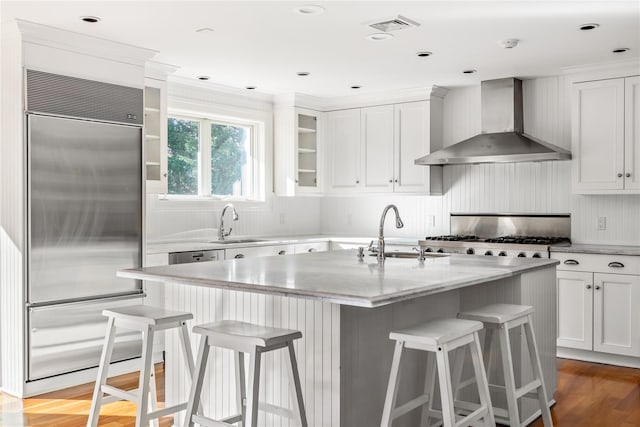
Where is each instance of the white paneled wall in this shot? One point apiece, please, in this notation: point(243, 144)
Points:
point(281, 216)
point(317, 353)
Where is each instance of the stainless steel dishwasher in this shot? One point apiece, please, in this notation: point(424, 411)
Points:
point(196, 256)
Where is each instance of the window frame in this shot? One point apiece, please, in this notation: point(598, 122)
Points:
point(259, 157)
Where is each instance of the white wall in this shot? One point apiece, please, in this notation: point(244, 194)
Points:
point(543, 187)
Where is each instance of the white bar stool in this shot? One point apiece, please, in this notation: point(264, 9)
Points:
point(243, 338)
point(504, 317)
point(147, 320)
point(439, 337)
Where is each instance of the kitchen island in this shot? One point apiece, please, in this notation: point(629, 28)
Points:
point(345, 307)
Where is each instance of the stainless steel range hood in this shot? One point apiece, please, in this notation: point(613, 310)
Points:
point(502, 139)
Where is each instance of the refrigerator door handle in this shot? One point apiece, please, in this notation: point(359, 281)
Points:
point(70, 303)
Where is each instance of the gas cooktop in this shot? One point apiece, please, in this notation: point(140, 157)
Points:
point(525, 240)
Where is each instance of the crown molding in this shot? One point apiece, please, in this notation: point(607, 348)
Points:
point(77, 42)
point(158, 70)
point(599, 71)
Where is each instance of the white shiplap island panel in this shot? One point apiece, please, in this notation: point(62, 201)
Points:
point(345, 309)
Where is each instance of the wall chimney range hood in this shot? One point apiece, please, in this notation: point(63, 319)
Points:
point(502, 139)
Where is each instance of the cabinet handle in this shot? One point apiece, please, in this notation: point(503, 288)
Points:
point(597, 288)
point(571, 262)
point(239, 256)
point(588, 286)
point(282, 252)
point(311, 250)
point(628, 175)
point(616, 264)
point(619, 175)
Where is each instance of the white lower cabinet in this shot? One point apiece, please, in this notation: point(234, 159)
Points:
point(598, 311)
point(575, 309)
point(616, 314)
point(302, 248)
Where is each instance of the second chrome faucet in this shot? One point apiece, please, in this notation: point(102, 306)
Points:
point(399, 224)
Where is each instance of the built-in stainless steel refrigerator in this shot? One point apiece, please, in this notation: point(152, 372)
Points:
point(84, 209)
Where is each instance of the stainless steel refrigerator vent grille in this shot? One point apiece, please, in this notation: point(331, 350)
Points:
point(73, 97)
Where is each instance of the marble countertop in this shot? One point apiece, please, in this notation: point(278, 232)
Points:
point(158, 247)
point(341, 277)
point(598, 249)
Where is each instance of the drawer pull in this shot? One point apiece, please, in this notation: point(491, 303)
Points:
point(616, 264)
point(571, 262)
point(282, 253)
point(239, 256)
point(311, 250)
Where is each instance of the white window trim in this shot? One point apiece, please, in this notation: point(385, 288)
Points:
point(262, 121)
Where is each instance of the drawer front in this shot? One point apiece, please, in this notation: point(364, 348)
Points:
point(620, 264)
point(259, 251)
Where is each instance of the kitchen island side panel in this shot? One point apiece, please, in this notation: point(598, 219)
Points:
point(317, 353)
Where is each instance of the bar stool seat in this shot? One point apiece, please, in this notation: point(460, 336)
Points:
point(501, 318)
point(242, 337)
point(147, 320)
point(438, 337)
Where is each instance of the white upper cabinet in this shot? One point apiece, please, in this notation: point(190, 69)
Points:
point(373, 149)
point(299, 151)
point(343, 130)
point(377, 148)
point(632, 133)
point(605, 136)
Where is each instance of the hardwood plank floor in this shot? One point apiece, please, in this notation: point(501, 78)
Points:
point(588, 395)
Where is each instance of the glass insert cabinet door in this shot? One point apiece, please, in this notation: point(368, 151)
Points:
point(307, 155)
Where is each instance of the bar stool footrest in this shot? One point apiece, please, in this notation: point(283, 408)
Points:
point(232, 419)
point(472, 417)
point(166, 411)
point(208, 422)
point(533, 385)
point(131, 396)
point(410, 406)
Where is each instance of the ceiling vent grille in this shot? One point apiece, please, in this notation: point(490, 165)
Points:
point(393, 24)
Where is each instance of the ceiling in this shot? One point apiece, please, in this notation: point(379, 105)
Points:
point(264, 43)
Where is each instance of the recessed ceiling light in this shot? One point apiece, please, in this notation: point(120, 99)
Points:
point(424, 54)
point(377, 37)
point(90, 19)
point(508, 43)
point(203, 77)
point(250, 87)
point(204, 30)
point(356, 87)
point(588, 27)
point(303, 73)
point(309, 9)
point(620, 50)
point(469, 71)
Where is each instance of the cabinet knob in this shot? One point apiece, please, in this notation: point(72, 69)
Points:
point(164, 174)
point(597, 288)
point(358, 181)
point(588, 286)
point(628, 175)
point(296, 181)
point(396, 180)
point(390, 181)
point(619, 175)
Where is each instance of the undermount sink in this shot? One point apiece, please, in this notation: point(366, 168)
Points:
point(410, 255)
point(230, 241)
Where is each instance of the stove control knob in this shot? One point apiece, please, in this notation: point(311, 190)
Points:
point(488, 253)
point(470, 251)
point(440, 251)
point(521, 255)
point(537, 255)
point(428, 250)
point(502, 253)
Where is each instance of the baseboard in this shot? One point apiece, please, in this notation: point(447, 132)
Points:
point(597, 357)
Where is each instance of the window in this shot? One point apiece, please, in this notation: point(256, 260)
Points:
point(230, 150)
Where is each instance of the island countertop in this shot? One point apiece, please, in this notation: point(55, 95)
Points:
point(341, 277)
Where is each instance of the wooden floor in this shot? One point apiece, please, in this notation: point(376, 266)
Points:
point(588, 395)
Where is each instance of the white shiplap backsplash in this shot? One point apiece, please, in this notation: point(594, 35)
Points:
point(543, 187)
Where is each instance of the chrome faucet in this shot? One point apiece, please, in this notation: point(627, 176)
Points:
point(221, 233)
point(399, 224)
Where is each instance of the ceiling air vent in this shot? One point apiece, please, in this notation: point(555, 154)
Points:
point(393, 24)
